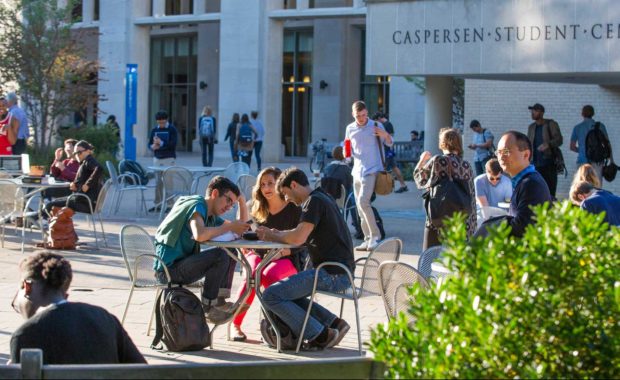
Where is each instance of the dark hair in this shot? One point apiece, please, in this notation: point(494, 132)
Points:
point(84, 144)
point(254, 114)
point(111, 118)
point(161, 115)
point(50, 268)
point(377, 116)
point(222, 185)
point(289, 175)
point(587, 111)
point(235, 118)
point(580, 188)
point(523, 142)
point(474, 123)
point(70, 141)
point(337, 153)
point(245, 119)
point(494, 166)
point(358, 106)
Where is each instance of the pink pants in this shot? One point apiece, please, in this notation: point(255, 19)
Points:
point(274, 272)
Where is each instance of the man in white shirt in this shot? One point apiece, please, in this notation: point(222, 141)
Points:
point(366, 151)
point(492, 187)
point(260, 134)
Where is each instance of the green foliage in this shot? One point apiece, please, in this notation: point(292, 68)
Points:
point(546, 305)
point(102, 137)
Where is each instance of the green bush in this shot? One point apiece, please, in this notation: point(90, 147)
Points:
point(546, 305)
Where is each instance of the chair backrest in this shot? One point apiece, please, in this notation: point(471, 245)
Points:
point(343, 198)
point(388, 250)
point(5, 174)
point(235, 170)
point(245, 182)
point(177, 181)
point(426, 259)
point(9, 199)
point(135, 241)
point(395, 279)
point(103, 193)
point(113, 173)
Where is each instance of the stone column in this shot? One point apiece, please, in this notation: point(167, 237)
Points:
point(438, 110)
point(159, 8)
point(88, 11)
point(200, 7)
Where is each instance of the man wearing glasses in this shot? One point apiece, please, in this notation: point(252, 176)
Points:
point(514, 152)
point(492, 187)
point(194, 219)
point(87, 181)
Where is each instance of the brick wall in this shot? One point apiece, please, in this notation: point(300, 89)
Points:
point(502, 105)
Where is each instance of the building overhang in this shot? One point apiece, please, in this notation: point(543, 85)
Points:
point(317, 13)
point(177, 19)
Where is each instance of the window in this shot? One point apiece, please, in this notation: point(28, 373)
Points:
point(96, 15)
point(76, 11)
point(330, 3)
point(290, 4)
point(374, 89)
point(179, 7)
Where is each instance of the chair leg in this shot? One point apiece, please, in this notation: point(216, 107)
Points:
point(105, 241)
point(148, 328)
point(92, 219)
point(341, 308)
point(300, 338)
point(359, 329)
point(127, 305)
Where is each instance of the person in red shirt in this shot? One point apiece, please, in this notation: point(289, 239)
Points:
point(63, 170)
point(8, 130)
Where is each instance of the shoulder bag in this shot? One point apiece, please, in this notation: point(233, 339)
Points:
point(384, 183)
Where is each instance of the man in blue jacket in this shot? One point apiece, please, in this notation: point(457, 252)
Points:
point(163, 143)
point(514, 152)
point(595, 201)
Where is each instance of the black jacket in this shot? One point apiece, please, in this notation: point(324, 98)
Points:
point(530, 191)
point(90, 173)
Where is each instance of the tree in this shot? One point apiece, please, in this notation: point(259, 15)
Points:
point(42, 57)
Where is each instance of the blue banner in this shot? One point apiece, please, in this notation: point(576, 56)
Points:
point(131, 96)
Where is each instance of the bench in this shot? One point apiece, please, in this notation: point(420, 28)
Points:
point(408, 151)
point(32, 367)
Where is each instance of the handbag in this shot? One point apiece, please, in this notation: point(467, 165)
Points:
point(558, 161)
point(610, 170)
point(384, 183)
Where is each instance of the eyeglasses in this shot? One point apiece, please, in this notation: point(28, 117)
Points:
point(502, 152)
point(229, 200)
point(78, 152)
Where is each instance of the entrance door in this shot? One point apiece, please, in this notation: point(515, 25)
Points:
point(173, 85)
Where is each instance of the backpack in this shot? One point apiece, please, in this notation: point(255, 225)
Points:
point(332, 186)
point(598, 148)
point(288, 340)
point(492, 148)
point(61, 230)
point(131, 166)
point(180, 321)
point(246, 138)
point(448, 196)
point(206, 126)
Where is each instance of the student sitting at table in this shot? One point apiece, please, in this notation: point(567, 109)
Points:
point(493, 186)
point(87, 181)
point(323, 229)
point(63, 170)
point(270, 209)
point(192, 220)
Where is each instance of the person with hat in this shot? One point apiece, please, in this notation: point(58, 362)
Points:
point(87, 181)
point(546, 137)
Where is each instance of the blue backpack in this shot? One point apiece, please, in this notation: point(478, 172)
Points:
point(246, 135)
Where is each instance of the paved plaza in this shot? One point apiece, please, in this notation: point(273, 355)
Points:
point(100, 278)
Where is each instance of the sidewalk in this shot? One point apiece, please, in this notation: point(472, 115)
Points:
point(100, 278)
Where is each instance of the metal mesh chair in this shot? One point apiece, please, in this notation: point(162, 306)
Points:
point(235, 170)
point(426, 259)
point(123, 183)
point(348, 294)
point(8, 202)
point(177, 181)
point(388, 250)
point(394, 278)
point(95, 212)
point(246, 182)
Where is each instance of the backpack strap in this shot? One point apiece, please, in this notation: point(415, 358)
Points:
point(159, 330)
point(381, 151)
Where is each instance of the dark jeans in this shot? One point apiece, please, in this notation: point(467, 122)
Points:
point(212, 264)
point(431, 238)
point(480, 165)
point(550, 175)
point(77, 204)
point(206, 144)
point(257, 147)
point(233, 154)
point(246, 156)
point(53, 193)
point(19, 147)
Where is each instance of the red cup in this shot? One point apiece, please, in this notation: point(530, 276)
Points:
point(347, 148)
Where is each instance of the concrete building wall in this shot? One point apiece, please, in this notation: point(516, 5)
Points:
point(406, 108)
point(209, 73)
point(502, 106)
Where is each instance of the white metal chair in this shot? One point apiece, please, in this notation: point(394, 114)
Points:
point(235, 170)
point(349, 293)
point(246, 182)
point(8, 202)
point(95, 212)
point(395, 277)
point(123, 183)
point(426, 259)
point(177, 181)
point(387, 250)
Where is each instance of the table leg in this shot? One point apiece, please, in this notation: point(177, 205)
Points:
point(271, 256)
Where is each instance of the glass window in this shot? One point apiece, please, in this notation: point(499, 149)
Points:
point(179, 7)
point(374, 89)
point(213, 6)
point(290, 4)
point(330, 3)
point(76, 11)
point(96, 15)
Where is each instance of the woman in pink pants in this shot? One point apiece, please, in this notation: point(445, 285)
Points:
point(271, 210)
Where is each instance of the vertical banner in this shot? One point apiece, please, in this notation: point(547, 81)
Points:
point(131, 94)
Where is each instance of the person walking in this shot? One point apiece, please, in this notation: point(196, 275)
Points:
point(23, 132)
point(244, 139)
point(482, 145)
point(207, 129)
point(231, 133)
point(260, 135)
point(366, 139)
point(578, 138)
point(390, 156)
point(430, 171)
point(163, 142)
point(546, 137)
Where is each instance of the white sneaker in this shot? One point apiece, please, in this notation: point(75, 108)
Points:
point(372, 245)
point(363, 246)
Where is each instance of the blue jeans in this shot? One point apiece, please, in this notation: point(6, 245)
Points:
point(257, 147)
point(288, 299)
point(206, 144)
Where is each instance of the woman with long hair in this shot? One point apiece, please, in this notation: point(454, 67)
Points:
point(269, 209)
point(587, 173)
point(430, 171)
point(231, 135)
point(244, 139)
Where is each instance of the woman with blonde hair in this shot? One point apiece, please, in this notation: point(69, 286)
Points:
point(431, 171)
point(587, 173)
point(207, 129)
point(269, 209)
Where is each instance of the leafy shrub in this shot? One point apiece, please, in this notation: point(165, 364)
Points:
point(546, 305)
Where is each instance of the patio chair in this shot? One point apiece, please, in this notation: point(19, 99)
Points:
point(395, 278)
point(426, 259)
point(387, 250)
point(235, 170)
point(123, 183)
point(8, 202)
point(177, 181)
point(95, 212)
point(246, 182)
point(348, 294)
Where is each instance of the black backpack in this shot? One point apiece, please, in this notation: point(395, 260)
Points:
point(598, 148)
point(134, 167)
point(289, 340)
point(180, 321)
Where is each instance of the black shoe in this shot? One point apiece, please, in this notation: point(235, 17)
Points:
point(359, 235)
point(155, 209)
point(332, 337)
point(402, 189)
point(343, 328)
